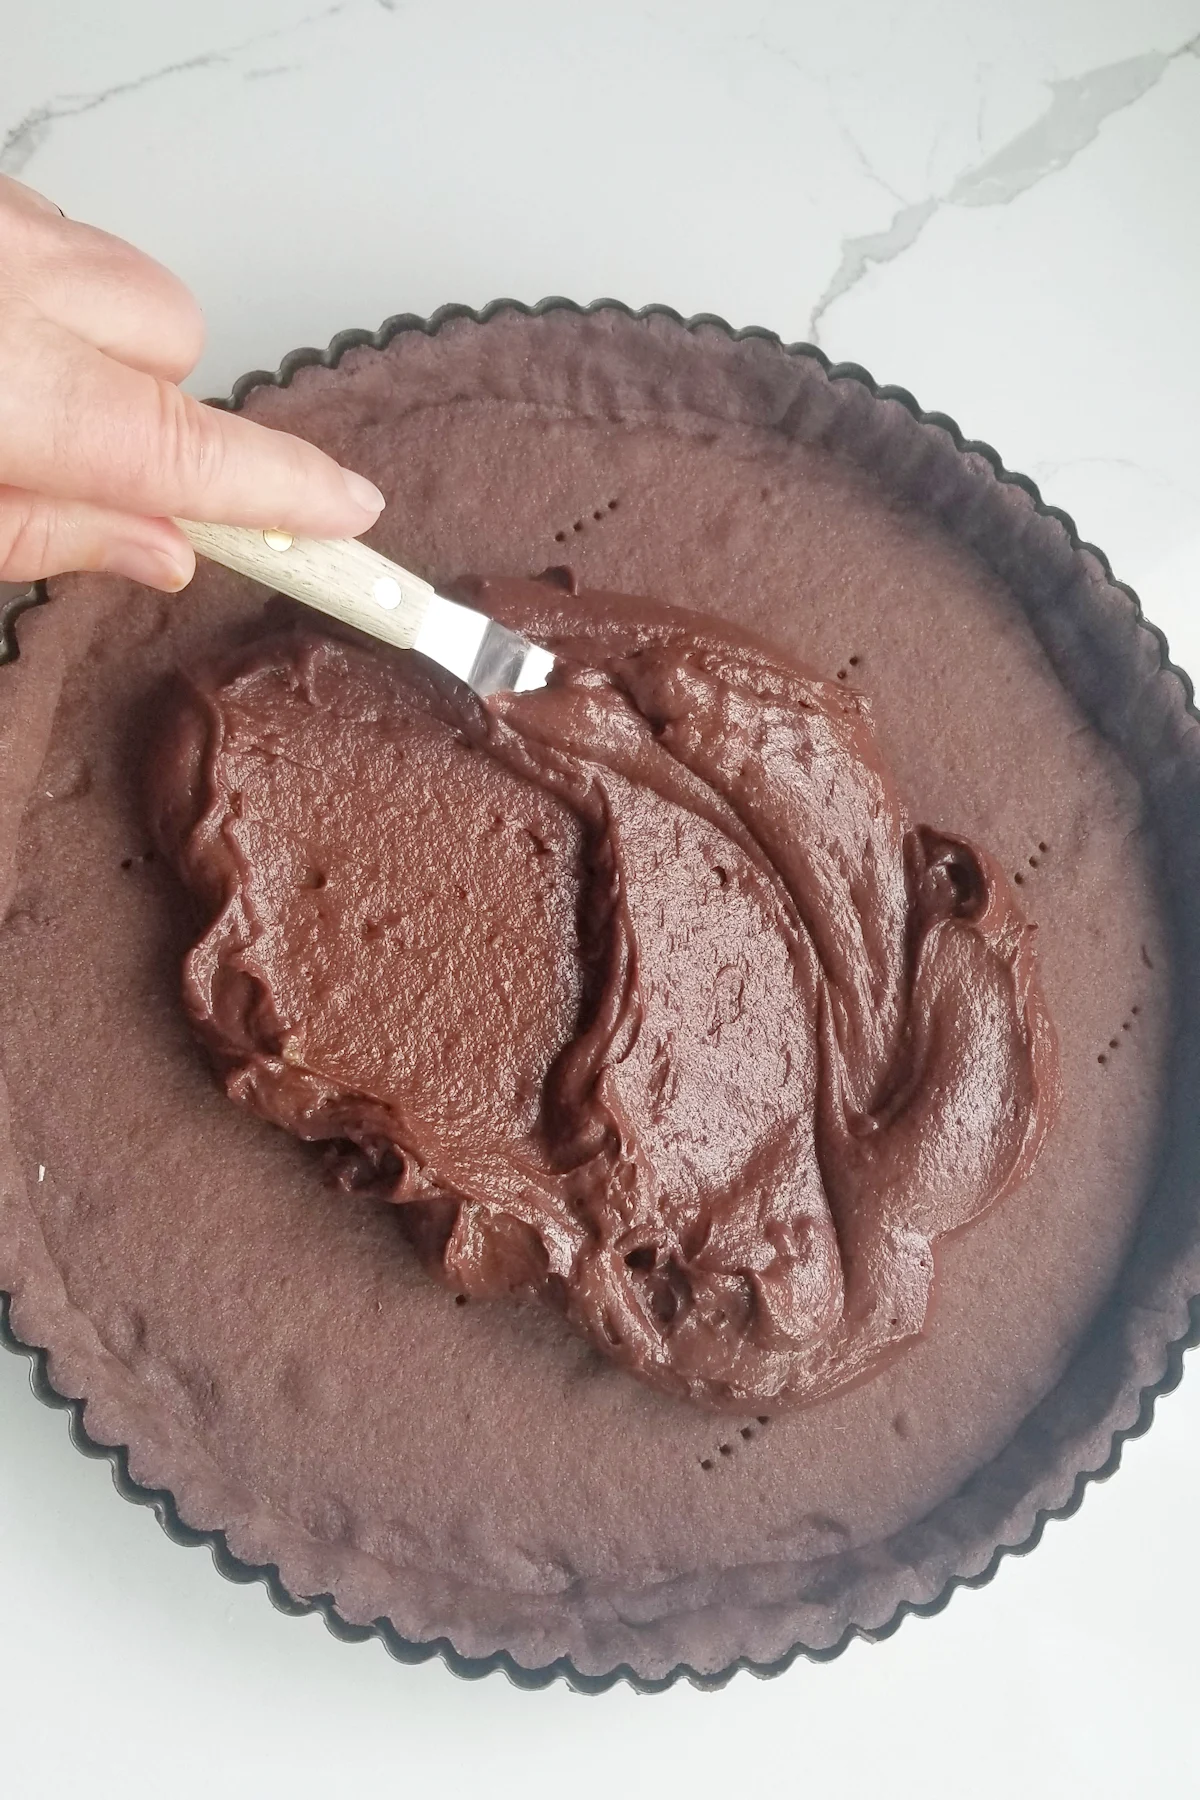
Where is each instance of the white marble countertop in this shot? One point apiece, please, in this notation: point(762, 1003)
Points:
point(993, 203)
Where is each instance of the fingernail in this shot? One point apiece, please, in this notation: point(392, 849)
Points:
point(147, 563)
point(364, 493)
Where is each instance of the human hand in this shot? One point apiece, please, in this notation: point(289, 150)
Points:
point(99, 448)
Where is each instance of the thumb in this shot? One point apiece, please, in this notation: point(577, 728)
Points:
point(40, 536)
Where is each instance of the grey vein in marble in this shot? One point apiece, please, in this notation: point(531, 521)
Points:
point(768, 45)
point(1045, 471)
point(22, 143)
point(1078, 108)
point(865, 164)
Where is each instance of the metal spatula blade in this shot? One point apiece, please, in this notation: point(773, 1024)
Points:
point(347, 580)
point(480, 651)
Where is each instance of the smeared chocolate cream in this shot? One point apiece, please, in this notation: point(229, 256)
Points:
point(640, 994)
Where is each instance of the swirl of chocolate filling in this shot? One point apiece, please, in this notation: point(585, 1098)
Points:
point(639, 993)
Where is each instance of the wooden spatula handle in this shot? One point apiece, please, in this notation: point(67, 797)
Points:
point(339, 576)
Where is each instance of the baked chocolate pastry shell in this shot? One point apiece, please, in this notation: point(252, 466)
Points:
point(1115, 664)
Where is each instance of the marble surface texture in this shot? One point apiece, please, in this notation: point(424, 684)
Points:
point(993, 203)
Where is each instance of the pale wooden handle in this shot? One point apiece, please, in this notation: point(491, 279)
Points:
point(338, 576)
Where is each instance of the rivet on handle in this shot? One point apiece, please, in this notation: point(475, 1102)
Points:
point(278, 540)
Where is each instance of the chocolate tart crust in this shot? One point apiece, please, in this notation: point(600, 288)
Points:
point(204, 1301)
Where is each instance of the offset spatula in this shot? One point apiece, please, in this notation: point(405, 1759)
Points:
point(353, 583)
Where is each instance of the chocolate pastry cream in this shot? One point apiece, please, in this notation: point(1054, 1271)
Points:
point(714, 1081)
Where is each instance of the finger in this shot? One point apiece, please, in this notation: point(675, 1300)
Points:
point(40, 536)
point(97, 286)
point(16, 193)
point(77, 425)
